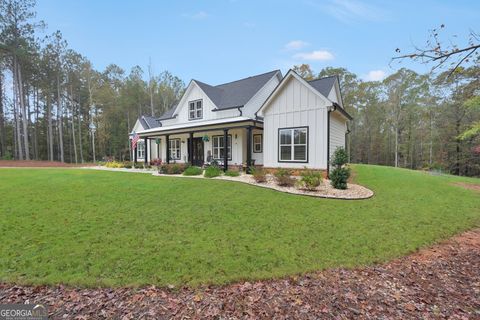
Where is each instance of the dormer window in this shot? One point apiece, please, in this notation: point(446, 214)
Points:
point(195, 110)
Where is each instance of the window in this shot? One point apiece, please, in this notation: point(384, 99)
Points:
point(293, 144)
point(217, 146)
point(174, 148)
point(195, 110)
point(140, 149)
point(257, 143)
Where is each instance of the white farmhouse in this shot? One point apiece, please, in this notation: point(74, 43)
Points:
point(265, 120)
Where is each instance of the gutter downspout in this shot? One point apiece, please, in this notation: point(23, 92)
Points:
point(331, 109)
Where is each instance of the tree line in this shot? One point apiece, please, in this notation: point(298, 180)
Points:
point(55, 106)
point(411, 120)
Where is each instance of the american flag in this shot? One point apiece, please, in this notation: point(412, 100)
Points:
point(135, 139)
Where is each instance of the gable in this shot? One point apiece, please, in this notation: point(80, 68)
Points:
point(293, 94)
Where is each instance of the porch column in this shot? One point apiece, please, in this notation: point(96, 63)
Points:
point(190, 149)
point(146, 150)
point(225, 149)
point(135, 154)
point(167, 147)
point(249, 148)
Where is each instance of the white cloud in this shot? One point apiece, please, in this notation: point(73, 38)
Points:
point(352, 10)
point(318, 55)
point(375, 75)
point(296, 45)
point(200, 15)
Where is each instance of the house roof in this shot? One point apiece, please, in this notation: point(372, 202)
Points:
point(149, 122)
point(167, 114)
point(236, 93)
point(189, 125)
point(323, 85)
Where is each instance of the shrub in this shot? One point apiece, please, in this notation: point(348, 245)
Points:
point(339, 157)
point(340, 174)
point(284, 177)
point(232, 173)
point(339, 177)
point(127, 164)
point(192, 171)
point(172, 168)
point(212, 171)
point(147, 166)
point(114, 164)
point(259, 175)
point(311, 179)
point(156, 162)
point(138, 165)
point(7, 156)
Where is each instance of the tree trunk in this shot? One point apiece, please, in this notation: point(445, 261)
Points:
point(80, 144)
point(50, 128)
point(73, 125)
point(3, 131)
point(22, 108)
point(60, 120)
point(18, 136)
point(396, 146)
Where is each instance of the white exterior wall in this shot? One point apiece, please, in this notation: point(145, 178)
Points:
point(259, 98)
point(338, 128)
point(296, 105)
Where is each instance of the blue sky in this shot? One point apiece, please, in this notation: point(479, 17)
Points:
point(220, 41)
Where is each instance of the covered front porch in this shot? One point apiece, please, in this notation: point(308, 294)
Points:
point(230, 143)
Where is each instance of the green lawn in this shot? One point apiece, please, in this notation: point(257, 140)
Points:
point(97, 228)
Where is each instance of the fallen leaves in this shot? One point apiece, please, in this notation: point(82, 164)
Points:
point(442, 282)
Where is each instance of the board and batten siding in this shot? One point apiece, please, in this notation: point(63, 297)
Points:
point(296, 105)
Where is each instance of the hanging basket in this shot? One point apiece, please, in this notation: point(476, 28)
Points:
point(157, 141)
point(205, 138)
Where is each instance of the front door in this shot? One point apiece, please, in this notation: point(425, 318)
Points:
point(197, 152)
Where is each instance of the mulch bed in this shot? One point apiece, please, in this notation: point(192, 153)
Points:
point(436, 283)
point(37, 164)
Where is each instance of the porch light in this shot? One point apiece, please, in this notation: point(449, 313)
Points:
point(205, 138)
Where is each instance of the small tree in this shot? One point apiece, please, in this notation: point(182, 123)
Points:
point(340, 174)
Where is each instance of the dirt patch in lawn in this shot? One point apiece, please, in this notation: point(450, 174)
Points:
point(439, 282)
point(470, 186)
point(38, 164)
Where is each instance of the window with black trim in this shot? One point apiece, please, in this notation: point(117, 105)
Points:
point(174, 149)
point(293, 144)
point(195, 110)
point(140, 149)
point(257, 143)
point(217, 147)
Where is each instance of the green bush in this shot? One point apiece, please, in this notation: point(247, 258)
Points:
point(339, 157)
point(127, 165)
point(212, 171)
point(340, 174)
point(284, 177)
point(232, 173)
point(311, 179)
point(7, 156)
point(192, 171)
point(339, 177)
point(259, 175)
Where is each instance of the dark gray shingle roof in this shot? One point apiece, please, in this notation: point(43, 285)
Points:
point(149, 122)
point(167, 114)
point(236, 93)
point(323, 85)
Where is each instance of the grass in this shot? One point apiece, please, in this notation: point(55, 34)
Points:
point(97, 228)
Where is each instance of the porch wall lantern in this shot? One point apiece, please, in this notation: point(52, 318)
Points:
point(205, 138)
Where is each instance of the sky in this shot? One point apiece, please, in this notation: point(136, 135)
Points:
point(221, 41)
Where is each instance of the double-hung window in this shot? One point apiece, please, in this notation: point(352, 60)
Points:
point(140, 150)
point(217, 146)
point(293, 144)
point(174, 149)
point(195, 110)
point(257, 143)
